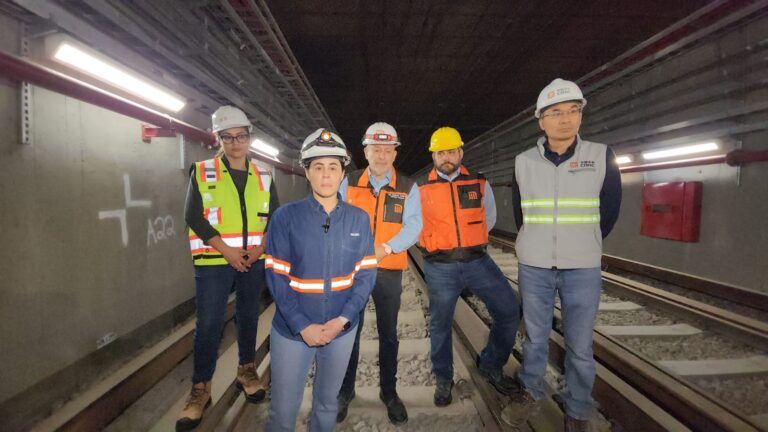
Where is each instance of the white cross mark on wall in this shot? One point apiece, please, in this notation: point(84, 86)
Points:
point(121, 214)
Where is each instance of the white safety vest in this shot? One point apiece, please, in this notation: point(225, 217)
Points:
point(561, 207)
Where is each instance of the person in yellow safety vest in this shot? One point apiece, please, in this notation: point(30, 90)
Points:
point(391, 200)
point(229, 201)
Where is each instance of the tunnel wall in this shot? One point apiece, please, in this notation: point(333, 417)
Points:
point(711, 88)
point(95, 239)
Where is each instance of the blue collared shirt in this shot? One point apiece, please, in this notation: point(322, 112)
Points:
point(412, 223)
point(489, 201)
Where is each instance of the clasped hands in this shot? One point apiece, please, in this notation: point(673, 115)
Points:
point(322, 334)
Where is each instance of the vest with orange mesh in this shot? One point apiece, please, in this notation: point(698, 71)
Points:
point(385, 210)
point(455, 226)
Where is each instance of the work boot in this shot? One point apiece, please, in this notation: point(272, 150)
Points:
point(503, 384)
point(248, 381)
point(344, 402)
point(198, 400)
point(576, 425)
point(443, 394)
point(395, 409)
point(521, 407)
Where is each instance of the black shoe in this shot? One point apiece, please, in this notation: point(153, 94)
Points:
point(443, 395)
point(503, 384)
point(344, 402)
point(395, 409)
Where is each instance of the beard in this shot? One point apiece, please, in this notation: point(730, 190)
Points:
point(447, 168)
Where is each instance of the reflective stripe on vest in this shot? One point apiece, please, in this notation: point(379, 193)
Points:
point(221, 207)
point(385, 210)
point(453, 212)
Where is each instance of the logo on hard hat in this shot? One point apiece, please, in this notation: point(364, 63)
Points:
point(550, 95)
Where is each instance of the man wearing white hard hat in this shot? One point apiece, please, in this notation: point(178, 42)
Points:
point(392, 201)
point(567, 195)
point(229, 201)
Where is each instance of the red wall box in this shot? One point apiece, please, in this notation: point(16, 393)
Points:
point(672, 211)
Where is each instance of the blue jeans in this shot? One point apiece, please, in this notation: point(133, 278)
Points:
point(482, 276)
point(212, 287)
point(290, 362)
point(386, 296)
point(579, 291)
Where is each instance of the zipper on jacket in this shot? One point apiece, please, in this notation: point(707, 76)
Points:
point(455, 216)
point(327, 270)
point(554, 218)
point(375, 212)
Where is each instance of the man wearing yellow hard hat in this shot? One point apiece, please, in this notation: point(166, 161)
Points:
point(458, 210)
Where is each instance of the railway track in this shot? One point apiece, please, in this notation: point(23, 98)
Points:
point(635, 392)
point(705, 365)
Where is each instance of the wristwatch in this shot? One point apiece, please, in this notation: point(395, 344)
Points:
point(347, 325)
point(387, 248)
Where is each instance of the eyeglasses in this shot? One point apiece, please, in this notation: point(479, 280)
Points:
point(241, 138)
point(557, 114)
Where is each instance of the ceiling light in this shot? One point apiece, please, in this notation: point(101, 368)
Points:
point(623, 159)
point(680, 151)
point(262, 147)
point(91, 65)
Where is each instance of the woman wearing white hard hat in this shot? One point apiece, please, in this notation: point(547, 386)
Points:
point(229, 201)
point(321, 268)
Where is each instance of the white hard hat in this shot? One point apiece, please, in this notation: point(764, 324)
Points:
point(380, 133)
point(556, 92)
point(229, 117)
point(322, 143)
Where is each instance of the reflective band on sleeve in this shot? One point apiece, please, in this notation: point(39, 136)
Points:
point(278, 266)
point(367, 262)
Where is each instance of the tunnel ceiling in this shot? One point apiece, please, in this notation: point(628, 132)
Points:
point(423, 64)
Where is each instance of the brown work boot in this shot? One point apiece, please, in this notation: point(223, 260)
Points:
point(248, 381)
point(576, 425)
point(198, 400)
point(521, 407)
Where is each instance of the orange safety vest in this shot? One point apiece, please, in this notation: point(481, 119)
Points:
point(385, 210)
point(455, 227)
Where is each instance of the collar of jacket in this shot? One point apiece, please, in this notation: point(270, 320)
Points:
point(543, 146)
point(316, 205)
point(435, 175)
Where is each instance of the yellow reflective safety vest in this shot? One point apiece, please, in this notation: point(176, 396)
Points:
point(561, 207)
point(221, 207)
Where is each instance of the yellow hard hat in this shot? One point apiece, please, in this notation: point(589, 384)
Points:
point(445, 138)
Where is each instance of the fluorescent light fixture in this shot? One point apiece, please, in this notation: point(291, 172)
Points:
point(262, 147)
point(91, 65)
point(623, 159)
point(680, 151)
